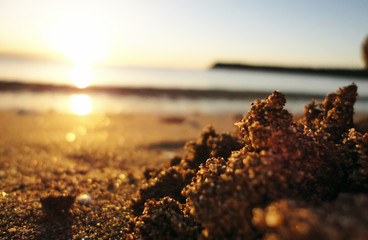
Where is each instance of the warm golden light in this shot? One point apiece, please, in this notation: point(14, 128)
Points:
point(81, 104)
point(82, 75)
point(82, 40)
point(79, 38)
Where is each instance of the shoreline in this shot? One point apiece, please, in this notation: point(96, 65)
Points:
point(16, 86)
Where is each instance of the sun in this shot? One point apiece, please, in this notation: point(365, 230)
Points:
point(80, 38)
point(83, 41)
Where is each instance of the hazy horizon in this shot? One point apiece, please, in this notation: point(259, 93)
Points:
point(189, 35)
point(210, 65)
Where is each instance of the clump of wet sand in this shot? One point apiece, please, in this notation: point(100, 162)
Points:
point(275, 178)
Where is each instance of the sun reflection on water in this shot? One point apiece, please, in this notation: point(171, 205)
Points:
point(82, 75)
point(81, 104)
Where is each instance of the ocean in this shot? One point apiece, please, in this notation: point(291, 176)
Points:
point(31, 71)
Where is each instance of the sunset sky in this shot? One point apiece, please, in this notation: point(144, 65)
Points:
point(186, 34)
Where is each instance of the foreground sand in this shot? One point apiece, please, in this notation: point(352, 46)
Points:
point(103, 156)
point(99, 155)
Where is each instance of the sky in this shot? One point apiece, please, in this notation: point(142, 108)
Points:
point(186, 34)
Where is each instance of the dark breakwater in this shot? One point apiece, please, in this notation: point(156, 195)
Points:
point(336, 72)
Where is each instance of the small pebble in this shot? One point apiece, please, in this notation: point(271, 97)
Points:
point(84, 199)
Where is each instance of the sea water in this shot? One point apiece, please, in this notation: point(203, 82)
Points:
point(30, 71)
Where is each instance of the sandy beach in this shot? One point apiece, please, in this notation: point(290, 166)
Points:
point(103, 156)
point(146, 176)
point(218, 120)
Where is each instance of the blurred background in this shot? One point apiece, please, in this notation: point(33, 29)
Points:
point(158, 56)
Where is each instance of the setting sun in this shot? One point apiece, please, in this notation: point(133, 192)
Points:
point(80, 38)
point(83, 41)
point(81, 104)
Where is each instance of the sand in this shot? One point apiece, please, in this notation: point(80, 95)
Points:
point(103, 156)
point(77, 177)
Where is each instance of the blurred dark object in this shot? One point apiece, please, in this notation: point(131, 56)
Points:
point(365, 53)
point(173, 119)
